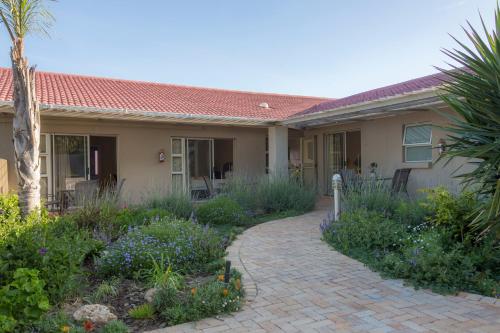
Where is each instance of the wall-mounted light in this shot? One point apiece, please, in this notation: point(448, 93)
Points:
point(162, 156)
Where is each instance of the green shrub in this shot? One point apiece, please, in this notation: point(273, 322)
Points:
point(54, 246)
point(209, 299)
point(143, 311)
point(280, 194)
point(134, 217)
point(184, 245)
point(270, 194)
point(365, 234)
point(9, 211)
point(428, 242)
point(178, 204)
point(243, 191)
point(115, 326)
point(371, 195)
point(450, 211)
point(97, 214)
point(221, 210)
point(23, 300)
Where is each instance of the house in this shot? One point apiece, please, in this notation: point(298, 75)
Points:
point(164, 137)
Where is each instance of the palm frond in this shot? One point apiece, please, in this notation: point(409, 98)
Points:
point(23, 17)
point(473, 92)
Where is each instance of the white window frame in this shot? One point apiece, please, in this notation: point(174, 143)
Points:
point(48, 163)
point(409, 145)
point(182, 155)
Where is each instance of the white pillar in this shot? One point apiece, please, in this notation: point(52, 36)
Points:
point(278, 150)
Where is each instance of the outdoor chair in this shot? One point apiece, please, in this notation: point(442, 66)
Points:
point(85, 190)
point(400, 181)
point(210, 187)
point(349, 178)
point(118, 188)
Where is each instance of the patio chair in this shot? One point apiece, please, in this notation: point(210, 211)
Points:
point(349, 178)
point(118, 188)
point(210, 187)
point(86, 190)
point(400, 181)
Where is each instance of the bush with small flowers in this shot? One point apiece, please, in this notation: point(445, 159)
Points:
point(184, 245)
point(193, 303)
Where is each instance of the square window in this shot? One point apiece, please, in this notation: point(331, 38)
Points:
point(417, 143)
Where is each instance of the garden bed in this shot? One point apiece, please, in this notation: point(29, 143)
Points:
point(428, 242)
point(139, 267)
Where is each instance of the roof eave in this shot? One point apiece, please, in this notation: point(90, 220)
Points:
point(141, 115)
point(425, 97)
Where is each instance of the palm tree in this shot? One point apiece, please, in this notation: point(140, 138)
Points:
point(473, 92)
point(20, 18)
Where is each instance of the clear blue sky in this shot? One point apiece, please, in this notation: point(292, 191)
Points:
point(325, 48)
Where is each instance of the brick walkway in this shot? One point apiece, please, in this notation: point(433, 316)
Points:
point(296, 283)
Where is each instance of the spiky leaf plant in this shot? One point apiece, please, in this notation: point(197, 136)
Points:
point(473, 92)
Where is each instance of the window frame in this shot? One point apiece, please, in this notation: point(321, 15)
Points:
point(410, 145)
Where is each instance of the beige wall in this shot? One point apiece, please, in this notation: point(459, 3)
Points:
point(381, 142)
point(4, 177)
point(138, 145)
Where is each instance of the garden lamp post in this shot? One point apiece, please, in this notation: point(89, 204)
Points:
point(336, 182)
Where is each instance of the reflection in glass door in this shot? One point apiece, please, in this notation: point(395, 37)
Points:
point(199, 165)
point(335, 156)
point(70, 161)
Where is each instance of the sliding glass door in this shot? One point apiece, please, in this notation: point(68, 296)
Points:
point(334, 156)
point(70, 161)
point(199, 164)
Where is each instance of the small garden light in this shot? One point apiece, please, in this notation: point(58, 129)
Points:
point(336, 183)
point(227, 272)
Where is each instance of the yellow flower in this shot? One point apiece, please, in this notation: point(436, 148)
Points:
point(65, 329)
point(220, 277)
point(193, 291)
point(238, 284)
point(225, 292)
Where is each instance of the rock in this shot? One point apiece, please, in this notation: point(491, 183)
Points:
point(96, 313)
point(150, 294)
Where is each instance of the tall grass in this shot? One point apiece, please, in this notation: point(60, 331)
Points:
point(271, 194)
point(177, 203)
point(369, 194)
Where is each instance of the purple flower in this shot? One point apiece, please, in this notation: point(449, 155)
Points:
point(42, 251)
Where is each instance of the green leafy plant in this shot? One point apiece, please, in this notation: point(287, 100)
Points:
point(54, 246)
point(144, 311)
point(450, 211)
point(162, 275)
point(23, 300)
point(196, 302)
point(473, 92)
point(221, 210)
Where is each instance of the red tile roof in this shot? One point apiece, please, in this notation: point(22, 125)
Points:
point(104, 93)
point(402, 88)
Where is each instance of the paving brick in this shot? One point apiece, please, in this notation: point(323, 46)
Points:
point(297, 283)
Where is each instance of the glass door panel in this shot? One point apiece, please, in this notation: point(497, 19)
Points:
point(45, 167)
point(200, 165)
point(70, 160)
point(335, 156)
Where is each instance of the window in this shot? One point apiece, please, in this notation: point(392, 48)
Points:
point(417, 143)
point(45, 166)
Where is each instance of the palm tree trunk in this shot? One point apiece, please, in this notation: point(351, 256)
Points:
point(26, 130)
